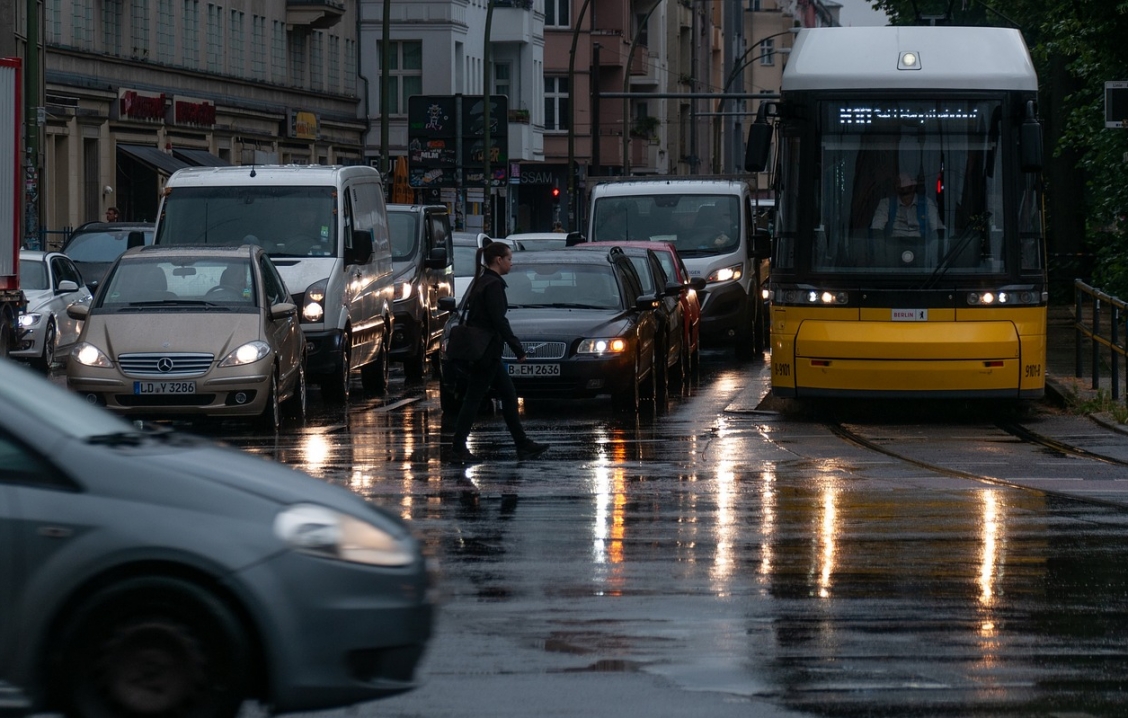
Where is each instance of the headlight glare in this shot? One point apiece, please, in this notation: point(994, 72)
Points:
point(321, 531)
point(87, 354)
point(615, 345)
point(313, 309)
point(403, 291)
point(726, 274)
point(29, 320)
point(249, 353)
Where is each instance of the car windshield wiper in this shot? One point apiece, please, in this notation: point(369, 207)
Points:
point(180, 303)
point(577, 306)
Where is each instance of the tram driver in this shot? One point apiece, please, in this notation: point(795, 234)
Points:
point(909, 214)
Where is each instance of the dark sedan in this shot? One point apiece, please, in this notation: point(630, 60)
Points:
point(587, 325)
point(95, 246)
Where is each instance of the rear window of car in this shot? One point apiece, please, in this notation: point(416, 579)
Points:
point(101, 246)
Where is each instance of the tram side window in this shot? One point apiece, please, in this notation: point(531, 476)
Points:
point(786, 214)
point(1030, 225)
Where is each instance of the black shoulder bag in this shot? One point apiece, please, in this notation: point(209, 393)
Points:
point(467, 343)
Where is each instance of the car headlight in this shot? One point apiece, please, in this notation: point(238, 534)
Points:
point(618, 345)
point(89, 355)
point(314, 308)
point(726, 274)
point(28, 321)
point(249, 353)
point(321, 531)
point(403, 291)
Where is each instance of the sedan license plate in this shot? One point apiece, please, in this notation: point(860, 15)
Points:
point(534, 370)
point(164, 387)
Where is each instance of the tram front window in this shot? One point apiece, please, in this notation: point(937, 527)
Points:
point(910, 187)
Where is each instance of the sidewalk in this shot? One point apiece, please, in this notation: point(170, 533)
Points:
point(1062, 385)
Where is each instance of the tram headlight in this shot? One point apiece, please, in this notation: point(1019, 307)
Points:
point(1004, 297)
point(811, 297)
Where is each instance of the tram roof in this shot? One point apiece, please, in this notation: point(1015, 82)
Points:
point(866, 58)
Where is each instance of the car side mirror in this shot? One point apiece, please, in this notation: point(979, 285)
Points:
point(361, 250)
point(448, 304)
point(66, 286)
point(136, 239)
point(647, 303)
point(78, 311)
point(697, 283)
point(283, 310)
point(573, 239)
point(437, 259)
point(674, 289)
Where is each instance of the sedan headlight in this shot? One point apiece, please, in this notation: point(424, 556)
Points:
point(27, 321)
point(313, 310)
point(89, 355)
point(321, 531)
point(618, 345)
point(249, 353)
point(726, 274)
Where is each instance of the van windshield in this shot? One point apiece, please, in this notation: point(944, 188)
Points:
point(698, 225)
point(285, 221)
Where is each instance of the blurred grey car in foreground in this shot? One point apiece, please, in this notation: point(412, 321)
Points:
point(149, 573)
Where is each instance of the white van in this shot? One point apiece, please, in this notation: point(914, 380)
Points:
point(720, 231)
point(326, 230)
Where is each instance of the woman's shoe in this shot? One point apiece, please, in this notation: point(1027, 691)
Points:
point(462, 455)
point(529, 449)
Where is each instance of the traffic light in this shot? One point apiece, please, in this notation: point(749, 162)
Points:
point(556, 195)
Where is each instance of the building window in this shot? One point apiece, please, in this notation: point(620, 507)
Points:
point(557, 13)
point(139, 28)
point(278, 53)
point(235, 44)
point(258, 47)
point(350, 61)
point(166, 40)
point(111, 27)
point(503, 71)
point(82, 24)
point(334, 63)
point(557, 112)
point(215, 38)
point(316, 60)
point(405, 75)
point(54, 17)
point(297, 59)
point(642, 27)
point(767, 52)
point(191, 34)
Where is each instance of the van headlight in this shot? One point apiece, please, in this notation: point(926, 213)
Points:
point(249, 353)
point(403, 291)
point(321, 531)
point(313, 309)
point(726, 274)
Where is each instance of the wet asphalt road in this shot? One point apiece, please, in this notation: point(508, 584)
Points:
point(735, 558)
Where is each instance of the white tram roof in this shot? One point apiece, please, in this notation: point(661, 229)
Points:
point(867, 58)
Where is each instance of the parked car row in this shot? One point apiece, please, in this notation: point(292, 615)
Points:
point(595, 320)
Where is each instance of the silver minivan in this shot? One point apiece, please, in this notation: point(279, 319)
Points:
point(326, 230)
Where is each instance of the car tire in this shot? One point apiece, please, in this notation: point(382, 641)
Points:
point(294, 408)
point(415, 367)
point(271, 417)
point(335, 387)
point(50, 338)
point(153, 646)
point(628, 400)
point(374, 375)
point(661, 393)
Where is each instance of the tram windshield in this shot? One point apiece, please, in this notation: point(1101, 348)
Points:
point(912, 187)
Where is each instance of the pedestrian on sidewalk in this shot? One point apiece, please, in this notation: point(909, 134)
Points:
point(487, 308)
point(112, 214)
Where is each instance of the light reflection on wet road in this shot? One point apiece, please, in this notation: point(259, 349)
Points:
point(713, 562)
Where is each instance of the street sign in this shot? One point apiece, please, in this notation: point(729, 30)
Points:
point(1116, 104)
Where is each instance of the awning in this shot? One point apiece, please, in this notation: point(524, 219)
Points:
point(200, 158)
point(155, 158)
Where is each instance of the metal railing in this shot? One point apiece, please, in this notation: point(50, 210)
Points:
point(1101, 332)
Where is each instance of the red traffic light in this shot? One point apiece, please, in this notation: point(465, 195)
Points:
point(556, 193)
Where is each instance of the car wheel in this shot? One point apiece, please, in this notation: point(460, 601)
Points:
point(374, 376)
point(679, 376)
point(627, 400)
point(271, 417)
point(415, 367)
point(661, 392)
point(50, 337)
point(295, 407)
point(335, 388)
point(153, 647)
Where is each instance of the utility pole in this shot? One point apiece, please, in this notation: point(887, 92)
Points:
point(487, 212)
point(385, 64)
point(33, 104)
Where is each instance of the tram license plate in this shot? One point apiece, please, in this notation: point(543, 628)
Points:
point(164, 387)
point(527, 370)
point(910, 315)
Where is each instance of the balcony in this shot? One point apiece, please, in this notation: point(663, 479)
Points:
point(314, 14)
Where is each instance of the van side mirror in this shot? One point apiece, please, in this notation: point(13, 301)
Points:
point(361, 250)
point(1030, 141)
point(761, 244)
point(437, 259)
point(573, 239)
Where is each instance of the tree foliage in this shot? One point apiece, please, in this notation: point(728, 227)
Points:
point(1076, 46)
